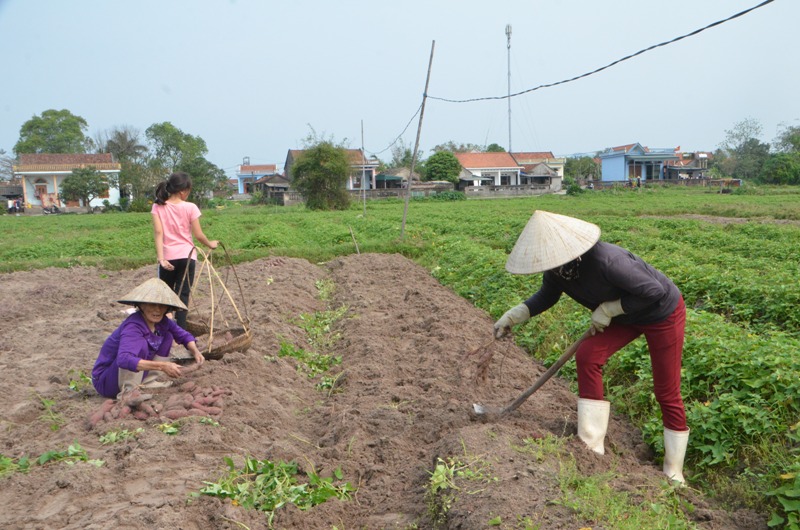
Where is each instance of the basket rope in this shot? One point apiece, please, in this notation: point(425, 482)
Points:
point(242, 341)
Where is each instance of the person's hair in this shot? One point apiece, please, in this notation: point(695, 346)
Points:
point(176, 182)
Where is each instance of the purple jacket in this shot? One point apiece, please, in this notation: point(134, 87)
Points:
point(131, 342)
point(609, 272)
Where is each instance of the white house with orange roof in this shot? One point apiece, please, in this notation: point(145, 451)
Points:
point(487, 169)
point(529, 159)
point(42, 175)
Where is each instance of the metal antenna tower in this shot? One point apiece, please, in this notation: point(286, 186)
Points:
point(508, 38)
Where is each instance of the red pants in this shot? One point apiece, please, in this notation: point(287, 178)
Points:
point(665, 342)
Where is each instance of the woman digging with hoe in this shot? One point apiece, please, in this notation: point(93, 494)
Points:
point(627, 297)
point(136, 352)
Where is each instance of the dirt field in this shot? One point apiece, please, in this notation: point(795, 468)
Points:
point(406, 399)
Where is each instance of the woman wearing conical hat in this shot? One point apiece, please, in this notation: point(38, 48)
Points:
point(137, 351)
point(628, 298)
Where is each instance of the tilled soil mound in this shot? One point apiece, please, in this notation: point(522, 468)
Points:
point(403, 400)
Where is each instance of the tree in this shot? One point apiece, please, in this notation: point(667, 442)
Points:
point(55, 131)
point(140, 179)
point(495, 148)
point(136, 177)
point(206, 177)
point(742, 154)
point(6, 166)
point(750, 159)
point(581, 168)
point(172, 146)
point(320, 175)
point(122, 142)
point(401, 155)
point(788, 140)
point(443, 165)
point(458, 148)
point(84, 184)
point(782, 168)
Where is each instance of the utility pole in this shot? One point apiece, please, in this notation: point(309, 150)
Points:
point(508, 39)
point(416, 143)
point(363, 170)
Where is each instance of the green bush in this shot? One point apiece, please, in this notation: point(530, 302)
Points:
point(140, 204)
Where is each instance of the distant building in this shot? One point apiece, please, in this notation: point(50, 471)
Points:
point(248, 174)
point(42, 174)
point(487, 169)
point(530, 159)
point(688, 166)
point(634, 161)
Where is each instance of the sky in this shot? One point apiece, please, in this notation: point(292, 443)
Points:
point(255, 78)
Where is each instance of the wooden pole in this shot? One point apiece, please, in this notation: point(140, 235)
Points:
point(416, 144)
point(363, 171)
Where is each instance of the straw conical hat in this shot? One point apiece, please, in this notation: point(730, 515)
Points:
point(153, 291)
point(550, 240)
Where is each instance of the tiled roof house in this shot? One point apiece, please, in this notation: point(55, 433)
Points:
point(42, 174)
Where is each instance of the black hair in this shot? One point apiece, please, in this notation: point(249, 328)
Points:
point(177, 182)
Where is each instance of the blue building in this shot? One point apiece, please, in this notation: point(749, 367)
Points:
point(633, 161)
point(248, 174)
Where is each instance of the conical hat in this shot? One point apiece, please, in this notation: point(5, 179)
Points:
point(153, 291)
point(550, 240)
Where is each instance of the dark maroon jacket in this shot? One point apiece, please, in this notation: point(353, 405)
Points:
point(609, 272)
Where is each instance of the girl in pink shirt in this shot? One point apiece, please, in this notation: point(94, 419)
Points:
point(175, 221)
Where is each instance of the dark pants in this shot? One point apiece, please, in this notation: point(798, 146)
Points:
point(180, 280)
point(665, 342)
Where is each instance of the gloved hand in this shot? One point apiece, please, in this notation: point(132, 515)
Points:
point(602, 316)
point(516, 315)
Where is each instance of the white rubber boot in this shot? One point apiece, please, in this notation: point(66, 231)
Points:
point(593, 423)
point(675, 443)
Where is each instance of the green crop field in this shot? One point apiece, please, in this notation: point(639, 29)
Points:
point(734, 256)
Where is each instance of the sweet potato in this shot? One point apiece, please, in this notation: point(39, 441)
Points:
point(174, 400)
point(146, 407)
point(189, 369)
point(135, 398)
point(140, 415)
point(188, 386)
point(213, 411)
point(176, 414)
point(205, 400)
point(97, 417)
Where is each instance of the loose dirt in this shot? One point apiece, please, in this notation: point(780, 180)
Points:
point(405, 399)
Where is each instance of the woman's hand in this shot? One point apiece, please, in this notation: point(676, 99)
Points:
point(166, 265)
point(171, 369)
point(198, 357)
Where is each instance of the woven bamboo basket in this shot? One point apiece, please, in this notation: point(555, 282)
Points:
point(196, 328)
point(238, 338)
point(241, 342)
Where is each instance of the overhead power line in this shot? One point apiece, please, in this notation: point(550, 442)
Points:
point(631, 56)
point(399, 135)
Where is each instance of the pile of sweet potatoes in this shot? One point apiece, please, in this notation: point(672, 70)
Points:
point(190, 400)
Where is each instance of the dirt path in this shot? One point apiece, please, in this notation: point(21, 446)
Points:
point(404, 401)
